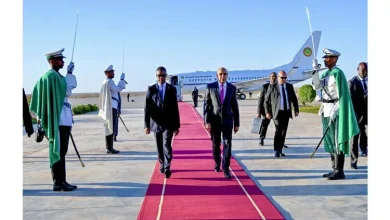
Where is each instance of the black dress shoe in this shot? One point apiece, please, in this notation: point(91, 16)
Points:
point(285, 146)
point(217, 169)
point(161, 170)
point(115, 138)
point(354, 166)
point(168, 173)
point(282, 154)
point(227, 175)
point(261, 142)
point(277, 154)
point(364, 153)
point(62, 187)
point(328, 174)
point(337, 175)
point(73, 186)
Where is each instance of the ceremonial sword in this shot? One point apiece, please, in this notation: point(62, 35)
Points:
point(75, 148)
point(123, 123)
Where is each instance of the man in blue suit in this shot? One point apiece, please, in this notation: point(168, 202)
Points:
point(222, 116)
point(162, 118)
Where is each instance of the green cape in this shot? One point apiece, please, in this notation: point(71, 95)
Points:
point(347, 123)
point(47, 99)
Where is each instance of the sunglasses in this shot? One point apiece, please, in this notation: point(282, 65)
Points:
point(283, 77)
point(162, 75)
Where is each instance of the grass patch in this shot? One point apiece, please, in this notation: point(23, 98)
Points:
point(310, 109)
point(81, 109)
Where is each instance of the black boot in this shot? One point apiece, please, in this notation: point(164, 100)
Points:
point(110, 145)
point(63, 167)
point(56, 172)
point(262, 142)
point(337, 175)
point(61, 187)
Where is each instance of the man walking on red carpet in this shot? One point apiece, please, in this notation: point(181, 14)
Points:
point(162, 117)
point(222, 115)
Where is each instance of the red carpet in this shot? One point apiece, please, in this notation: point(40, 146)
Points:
point(194, 190)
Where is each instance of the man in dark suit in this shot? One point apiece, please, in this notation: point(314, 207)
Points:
point(195, 97)
point(260, 108)
point(162, 118)
point(358, 88)
point(221, 115)
point(277, 105)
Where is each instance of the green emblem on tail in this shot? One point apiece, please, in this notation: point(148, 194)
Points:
point(307, 51)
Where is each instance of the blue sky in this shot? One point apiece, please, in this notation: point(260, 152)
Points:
point(185, 36)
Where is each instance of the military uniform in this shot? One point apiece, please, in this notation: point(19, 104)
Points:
point(336, 113)
point(108, 107)
point(55, 116)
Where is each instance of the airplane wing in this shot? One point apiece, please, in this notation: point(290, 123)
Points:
point(254, 84)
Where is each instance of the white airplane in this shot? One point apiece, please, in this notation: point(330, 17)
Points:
point(298, 70)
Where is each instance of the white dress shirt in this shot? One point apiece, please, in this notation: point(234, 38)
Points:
point(281, 106)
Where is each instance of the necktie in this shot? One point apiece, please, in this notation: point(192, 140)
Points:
point(161, 95)
point(284, 98)
point(221, 94)
point(364, 86)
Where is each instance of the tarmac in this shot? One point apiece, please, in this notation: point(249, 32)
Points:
point(114, 186)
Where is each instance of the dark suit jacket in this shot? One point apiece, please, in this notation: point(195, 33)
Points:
point(167, 116)
point(260, 106)
point(359, 101)
point(27, 117)
point(225, 113)
point(273, 96)
point(195, 94)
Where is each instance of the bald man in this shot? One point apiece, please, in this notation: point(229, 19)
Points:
point(277, 105)
point(222, 116)
point(358, 86)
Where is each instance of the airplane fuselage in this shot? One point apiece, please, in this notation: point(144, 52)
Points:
point(200, 79)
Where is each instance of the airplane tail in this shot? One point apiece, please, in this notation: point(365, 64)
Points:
point(304, 57)
point(303, 60)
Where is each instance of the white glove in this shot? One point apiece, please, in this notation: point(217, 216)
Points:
point(123, 76)
point(70, 67)
point(334, 112)
point(315, 64)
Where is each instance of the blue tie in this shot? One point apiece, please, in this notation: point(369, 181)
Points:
point(161, 95)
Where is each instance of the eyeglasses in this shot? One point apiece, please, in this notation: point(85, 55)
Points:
point(222, 74)
point(162, 75)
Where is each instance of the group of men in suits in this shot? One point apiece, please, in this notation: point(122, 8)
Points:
point(343, 111)
point(275, 102)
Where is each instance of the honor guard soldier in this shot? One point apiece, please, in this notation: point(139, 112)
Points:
point(108, 101)
point(54, 114)
point(336, 112)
